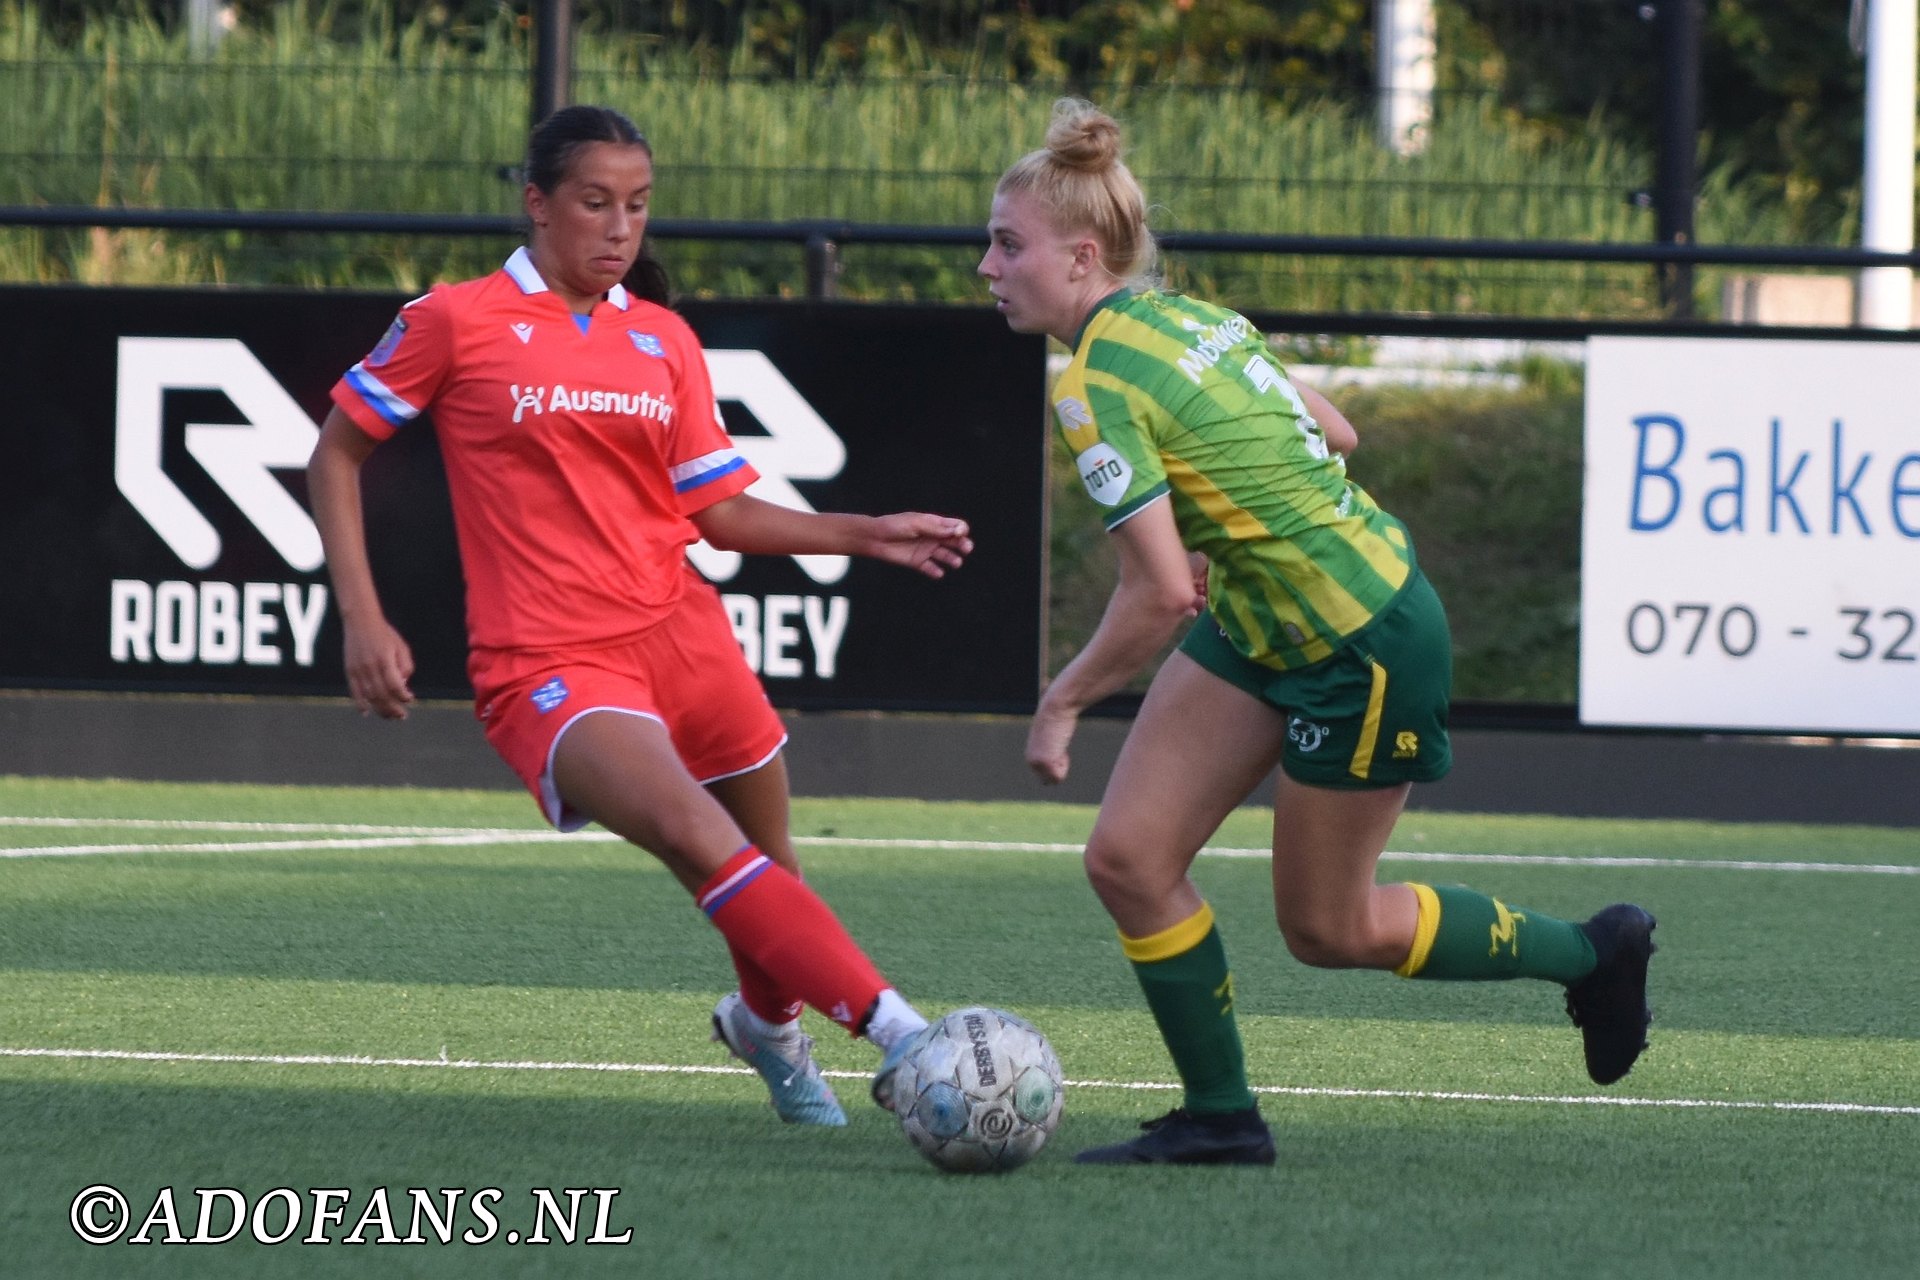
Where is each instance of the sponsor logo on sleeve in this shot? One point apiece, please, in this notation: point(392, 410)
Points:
point(387, 345)
point(1105, 473)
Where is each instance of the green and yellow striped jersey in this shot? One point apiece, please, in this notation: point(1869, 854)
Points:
point(1168, 394)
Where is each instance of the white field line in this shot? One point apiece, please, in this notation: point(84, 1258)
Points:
point(364, 836)
point(284, 846)
point(211, 824)
point(660, 1068)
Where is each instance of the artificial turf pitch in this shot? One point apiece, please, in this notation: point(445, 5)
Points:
point(285, 991)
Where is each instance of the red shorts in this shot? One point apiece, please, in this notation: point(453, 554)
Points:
point(685, 672)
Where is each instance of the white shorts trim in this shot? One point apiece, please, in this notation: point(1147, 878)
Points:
point(761, 763)
point(557, 811)
point(565, 818)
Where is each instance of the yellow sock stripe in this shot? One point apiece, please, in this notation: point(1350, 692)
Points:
point(1168, 943)
point(1423, 930)
point(1362, 763)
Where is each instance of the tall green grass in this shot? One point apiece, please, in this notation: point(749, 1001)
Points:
point(415, 119)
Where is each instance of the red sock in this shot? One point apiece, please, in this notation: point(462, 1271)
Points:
point(793, 937)
point(759, 992)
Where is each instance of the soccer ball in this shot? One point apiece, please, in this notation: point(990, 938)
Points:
point(979, 1091)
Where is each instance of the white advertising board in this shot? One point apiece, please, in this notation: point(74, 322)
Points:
point(1751, 535)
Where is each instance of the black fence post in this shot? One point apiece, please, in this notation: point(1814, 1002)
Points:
point(823, 266)
point(1677, 32)
point(552, 56)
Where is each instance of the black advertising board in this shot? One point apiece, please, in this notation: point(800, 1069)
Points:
point(155, 535)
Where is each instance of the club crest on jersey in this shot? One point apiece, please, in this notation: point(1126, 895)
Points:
point(1105, 473)
point(646, 344)
point(387, 345)
point(551, 694)
point(524, 332)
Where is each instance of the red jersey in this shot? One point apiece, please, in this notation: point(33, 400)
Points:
point(574, 455)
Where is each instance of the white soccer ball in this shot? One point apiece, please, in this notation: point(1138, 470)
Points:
point(979, 1091)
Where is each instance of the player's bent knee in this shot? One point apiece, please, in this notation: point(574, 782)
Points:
point(1111, 869)
point(1104, 878)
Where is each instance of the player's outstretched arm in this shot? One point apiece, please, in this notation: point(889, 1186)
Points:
point(378, 661)
point(916, 540)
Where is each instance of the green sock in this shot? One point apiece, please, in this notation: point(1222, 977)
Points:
point(1183, 971)
point(1467, 936)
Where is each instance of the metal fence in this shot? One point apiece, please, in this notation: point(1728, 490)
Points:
point(851, 145)
point(468, 59)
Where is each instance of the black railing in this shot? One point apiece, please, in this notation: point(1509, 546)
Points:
point(820, 239)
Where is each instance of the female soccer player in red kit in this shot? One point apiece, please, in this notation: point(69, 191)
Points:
point(584, 452)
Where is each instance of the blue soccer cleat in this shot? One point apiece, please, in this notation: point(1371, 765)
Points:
point(882, 1088)
point(800, 1095)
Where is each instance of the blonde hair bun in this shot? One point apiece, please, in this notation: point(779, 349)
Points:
point(1080, 180)
point(1082, 137)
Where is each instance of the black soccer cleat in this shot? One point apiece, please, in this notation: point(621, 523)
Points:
point(1609, 1005)
point(1181, 1137)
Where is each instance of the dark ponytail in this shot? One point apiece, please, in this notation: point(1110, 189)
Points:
point(647, 279)
point(550, 152)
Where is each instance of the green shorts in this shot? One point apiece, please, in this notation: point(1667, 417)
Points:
point(1374, 712)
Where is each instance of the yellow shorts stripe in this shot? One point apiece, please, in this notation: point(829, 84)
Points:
point(1170, 942)
point(1423, 931)
point(1362, 763)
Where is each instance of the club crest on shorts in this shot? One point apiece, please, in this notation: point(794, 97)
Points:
point(550, 695)
point(1306, 734)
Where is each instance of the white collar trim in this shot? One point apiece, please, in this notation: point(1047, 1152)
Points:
point(527, 276)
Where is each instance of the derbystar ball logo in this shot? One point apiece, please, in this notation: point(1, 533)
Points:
point(982, 1051)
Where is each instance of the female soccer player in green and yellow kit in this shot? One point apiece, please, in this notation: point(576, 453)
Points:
point(1322, 648)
